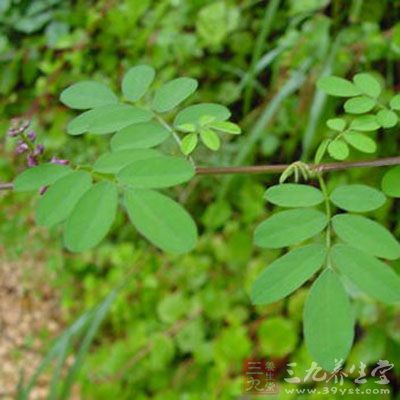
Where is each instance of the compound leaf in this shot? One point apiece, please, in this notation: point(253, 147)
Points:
point(294, 195)
point(137, 81)
point(87, 94)
point(139, 136)
point(371, 275)
point(366, 235)
point(357, 198)
point(328, 321)
point(287, 273)
point(42, 175)
point(161, 220)
point(289, 227)
point(172, 93)
point(92, 217)
point(61, 197)
point(156, 172)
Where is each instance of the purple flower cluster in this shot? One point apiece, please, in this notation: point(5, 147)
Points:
point(26, 143)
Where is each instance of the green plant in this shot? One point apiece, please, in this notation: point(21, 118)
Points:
point(85, 197)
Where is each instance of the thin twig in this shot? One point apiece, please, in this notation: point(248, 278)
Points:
point(278, 168)
point(273, 169)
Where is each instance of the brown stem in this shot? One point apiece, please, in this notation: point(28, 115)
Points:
point(274, 169)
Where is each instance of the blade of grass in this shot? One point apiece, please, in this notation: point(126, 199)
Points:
point(318, 103)
point(270, 13)
point(98, 317)
point(55, 380)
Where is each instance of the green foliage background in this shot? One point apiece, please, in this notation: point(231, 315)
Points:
point(182, 326)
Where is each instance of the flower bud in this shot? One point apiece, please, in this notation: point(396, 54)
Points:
point(39, 149)
point(22, 147)
point(31, 136)
point(31, 161)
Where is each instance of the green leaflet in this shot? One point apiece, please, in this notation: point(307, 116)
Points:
point(161, 220)
point(137, 81)
point(210, 139)
point(289, 227)
point(42, 175)
point(88, 94)
point(115, 117)
point(172, 93)
point(336, 86)
point(193, 114)
point(365, 123)
point(371, 275)
point(387, 118)
point(338, 149)
point(287, 273)
point(227, 127)
point(328, 320)
point(189, 143)
point(157, 172)
point(112, 163)
point(294, 195)
point(139, 136)
point(359, 105)
point(61, 197)
point(81, 123)
point(92, 217)
point(107, 119)
point(336, 124)
point(395, 102)
point(360, 141)
point(366, 235)
point(367, 84)
point(391, 182)
point(357, 198)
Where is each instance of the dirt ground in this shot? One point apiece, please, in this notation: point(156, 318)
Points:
point(29, 318)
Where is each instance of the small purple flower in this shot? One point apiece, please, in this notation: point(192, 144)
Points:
point(39, 149)
point(56, 160)
point(22, 147)
point(31, 136)
point(31, 161)
point(13, 132)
